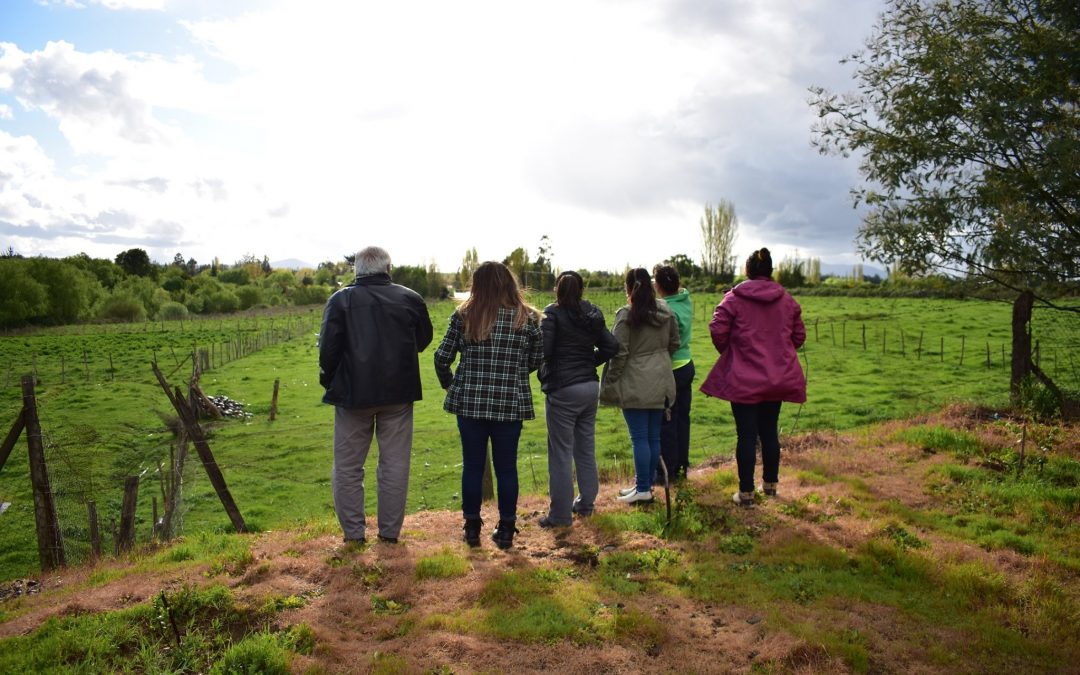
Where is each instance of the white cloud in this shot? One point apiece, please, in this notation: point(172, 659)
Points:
point(108, 4)
point(6, 112)
point(430, 127)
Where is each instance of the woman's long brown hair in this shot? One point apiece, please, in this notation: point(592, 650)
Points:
point(493, 286)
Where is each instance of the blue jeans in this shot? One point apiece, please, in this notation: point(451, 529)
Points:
point(474, 444)
point(644, 427)
point(755, 421)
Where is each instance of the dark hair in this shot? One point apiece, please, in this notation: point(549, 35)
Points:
point(759, 264)
point(568, 290)
point(493, 285)
point(667, 278)
point(642, 297)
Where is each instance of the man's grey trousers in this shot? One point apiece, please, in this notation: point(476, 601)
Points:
point(392, 426)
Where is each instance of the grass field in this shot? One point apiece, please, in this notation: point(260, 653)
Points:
point(104, 417)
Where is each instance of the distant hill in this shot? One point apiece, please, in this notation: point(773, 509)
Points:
point(289, 264)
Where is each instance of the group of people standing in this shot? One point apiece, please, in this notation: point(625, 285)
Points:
point(373, 331)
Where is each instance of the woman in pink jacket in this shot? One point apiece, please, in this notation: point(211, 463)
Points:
point(757, 329)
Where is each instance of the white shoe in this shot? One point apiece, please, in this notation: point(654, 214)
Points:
point(636, 496)
point(628, 491)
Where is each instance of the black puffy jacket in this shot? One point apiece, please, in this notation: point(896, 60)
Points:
point(372, 331)
point(574, 345)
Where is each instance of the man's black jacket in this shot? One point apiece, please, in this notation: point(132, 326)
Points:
point(371, 333)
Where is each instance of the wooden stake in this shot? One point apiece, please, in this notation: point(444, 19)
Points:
point(95, 534)
point(963, 339)
point(50, 544)
point(127, 513)
point(273, 401)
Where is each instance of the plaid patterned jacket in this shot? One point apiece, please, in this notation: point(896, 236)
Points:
point(492, 377)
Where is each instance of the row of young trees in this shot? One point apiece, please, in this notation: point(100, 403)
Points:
point(131, 287)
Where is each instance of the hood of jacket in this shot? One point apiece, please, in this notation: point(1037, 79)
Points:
point(761, 290)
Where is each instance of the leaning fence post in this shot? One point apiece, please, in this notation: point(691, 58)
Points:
point(50, 544)
point(12, 437)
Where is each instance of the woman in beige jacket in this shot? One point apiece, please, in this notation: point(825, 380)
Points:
point(639, 378)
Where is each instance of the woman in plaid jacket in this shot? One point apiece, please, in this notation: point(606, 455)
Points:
point(496, 337)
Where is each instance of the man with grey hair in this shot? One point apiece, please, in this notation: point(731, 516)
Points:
point(372, 331)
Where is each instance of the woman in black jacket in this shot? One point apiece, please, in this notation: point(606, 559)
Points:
point(576, 341)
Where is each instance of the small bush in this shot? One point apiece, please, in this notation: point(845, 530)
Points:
point(172, 311)
point(443, 565)
point(125, 308)
point(258, 653)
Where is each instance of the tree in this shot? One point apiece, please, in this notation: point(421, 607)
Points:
point(518, 262)
point(967, 123)
point(135, 262)
point(686, 267)
point(468, 265)
point(540, 275)
point(718, 228)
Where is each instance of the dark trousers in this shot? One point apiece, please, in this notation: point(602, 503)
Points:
point(755, 421)
point(504, 436)
point(675, 433)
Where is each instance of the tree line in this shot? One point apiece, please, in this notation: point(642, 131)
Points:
point(131, 287)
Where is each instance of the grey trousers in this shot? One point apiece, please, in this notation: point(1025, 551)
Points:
point(571, 432)
point(392, 425)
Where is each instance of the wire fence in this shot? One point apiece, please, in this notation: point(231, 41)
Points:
point(917, 371)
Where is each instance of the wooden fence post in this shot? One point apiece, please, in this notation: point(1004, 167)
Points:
point(63, 371)
point(273, 401)
point(942, 349)
point(127, 513)
point(963, 339)
point(987, 353)
point(95, 533)
point(918, 350)
point(50, 544)
point(864, 337)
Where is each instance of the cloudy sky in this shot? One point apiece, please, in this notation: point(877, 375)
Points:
point(309, 128)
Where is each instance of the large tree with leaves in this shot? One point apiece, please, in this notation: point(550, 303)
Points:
point(966, 121)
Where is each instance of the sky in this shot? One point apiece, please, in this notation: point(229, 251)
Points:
point(308, 129)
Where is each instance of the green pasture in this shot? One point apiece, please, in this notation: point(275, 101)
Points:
point(104, 416)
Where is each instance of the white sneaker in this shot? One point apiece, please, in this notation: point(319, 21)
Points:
point(628, 491)
point(636, 496)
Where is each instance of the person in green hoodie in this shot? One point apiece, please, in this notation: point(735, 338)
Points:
point(675, 431)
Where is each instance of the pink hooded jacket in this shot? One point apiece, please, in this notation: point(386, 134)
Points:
point(757, 329)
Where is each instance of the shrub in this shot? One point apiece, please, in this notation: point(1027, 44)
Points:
point(172, 311)
point(258, 653)
point(248, 296)
point(122, 307)
point(222, 302)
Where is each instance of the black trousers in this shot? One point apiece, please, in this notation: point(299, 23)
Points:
point(675, 433)
point(755, 421)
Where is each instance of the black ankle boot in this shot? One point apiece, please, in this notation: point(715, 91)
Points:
point(472, 531)
point(503, 536)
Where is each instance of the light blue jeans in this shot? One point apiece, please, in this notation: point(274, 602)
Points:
point(644, 427)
